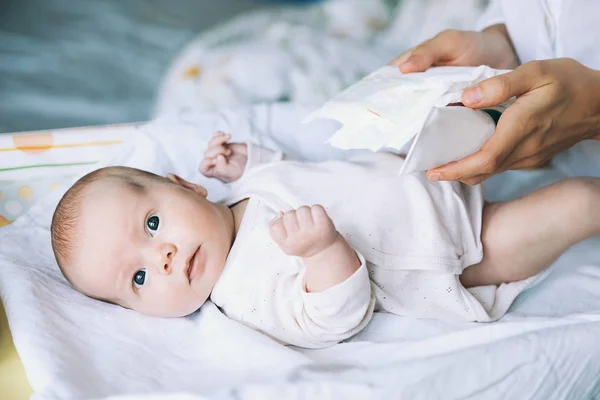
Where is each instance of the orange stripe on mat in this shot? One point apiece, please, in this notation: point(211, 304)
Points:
point(63, 146)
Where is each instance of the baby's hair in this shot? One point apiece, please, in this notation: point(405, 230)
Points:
point(65, 220)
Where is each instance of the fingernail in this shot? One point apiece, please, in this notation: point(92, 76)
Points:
point(408, 60)
point(473, 95)
point(404, 57)
point(435, 176)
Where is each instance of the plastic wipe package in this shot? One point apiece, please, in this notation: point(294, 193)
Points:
point(388, 109)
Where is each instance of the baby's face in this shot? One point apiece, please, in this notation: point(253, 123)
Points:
point(157, 250)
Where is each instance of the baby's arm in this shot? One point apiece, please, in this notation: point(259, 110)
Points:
point(309, 233)
point(337, 301)
point(229, 161)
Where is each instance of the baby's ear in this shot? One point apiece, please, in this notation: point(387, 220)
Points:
point(201, 190)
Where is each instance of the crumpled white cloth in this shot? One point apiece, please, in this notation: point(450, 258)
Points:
point(546, 347)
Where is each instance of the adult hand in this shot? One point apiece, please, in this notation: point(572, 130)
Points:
point(461, 48)
point(557, 105)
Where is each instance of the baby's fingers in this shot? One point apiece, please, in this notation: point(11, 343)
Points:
point(219, 138)
point(290, 220)
point(217, 150)
point(319, 214)
point(221, 161)
point(277, 229)
point(304, 217)
point(207, 167)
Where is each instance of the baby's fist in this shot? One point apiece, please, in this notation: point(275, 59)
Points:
point(303, 232)
point(222, 160)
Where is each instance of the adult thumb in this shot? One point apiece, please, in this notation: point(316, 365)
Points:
point(499, 89)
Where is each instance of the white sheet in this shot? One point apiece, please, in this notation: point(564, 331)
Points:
point(74, 347)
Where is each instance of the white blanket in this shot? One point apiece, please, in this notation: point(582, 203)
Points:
point(303, 54)
point(75, 347)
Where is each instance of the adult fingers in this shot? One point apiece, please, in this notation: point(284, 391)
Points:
point(516, 144)
point(533, 153)
point(401, 58)
point(499, 89)
point(510, 132)
point(442, 47)
point(476, 180)
point(422, 57)
point(465, 169)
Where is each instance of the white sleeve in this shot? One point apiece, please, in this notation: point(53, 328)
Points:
point(492, 15)
point(339, 312)
point(328, 317)
point(264, 289)
point(258, 155)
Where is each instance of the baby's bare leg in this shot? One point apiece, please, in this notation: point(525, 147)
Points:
point(525, 236)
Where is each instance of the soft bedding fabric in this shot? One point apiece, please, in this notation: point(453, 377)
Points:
point(302, 55)
point(34, 164)
point(544, 348)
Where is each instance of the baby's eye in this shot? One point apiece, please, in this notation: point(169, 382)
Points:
point(152, 224)
point(139, 278)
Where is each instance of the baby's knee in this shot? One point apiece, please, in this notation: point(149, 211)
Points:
point(583, 195)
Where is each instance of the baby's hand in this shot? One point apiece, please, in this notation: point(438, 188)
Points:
point(222, 160)
point(303, 232)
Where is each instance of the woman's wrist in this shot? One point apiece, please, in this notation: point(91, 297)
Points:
point(500, 48)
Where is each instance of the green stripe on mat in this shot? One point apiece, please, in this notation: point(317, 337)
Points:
point(46, 165)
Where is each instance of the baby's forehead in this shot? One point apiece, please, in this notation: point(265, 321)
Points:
point(112, 188)
point(122, 181)
point(105, 205)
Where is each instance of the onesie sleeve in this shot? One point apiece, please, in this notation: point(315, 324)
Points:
point(328, 317)
point(258, 155)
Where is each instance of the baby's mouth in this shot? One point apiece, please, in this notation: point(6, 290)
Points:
point(192, 268)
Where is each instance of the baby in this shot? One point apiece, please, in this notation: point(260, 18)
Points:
point(305, 274)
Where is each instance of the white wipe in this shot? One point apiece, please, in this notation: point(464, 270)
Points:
point(387, 109)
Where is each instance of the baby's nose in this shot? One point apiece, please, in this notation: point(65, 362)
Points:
point(167, 252)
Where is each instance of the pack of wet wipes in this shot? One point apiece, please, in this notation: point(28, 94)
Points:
point(391, 110)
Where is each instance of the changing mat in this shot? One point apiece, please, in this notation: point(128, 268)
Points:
point(75, 347)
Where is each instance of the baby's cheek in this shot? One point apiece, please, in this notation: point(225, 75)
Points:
point(187, 301)
point(170, 300)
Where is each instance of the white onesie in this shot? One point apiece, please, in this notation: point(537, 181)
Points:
point(413, 237)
